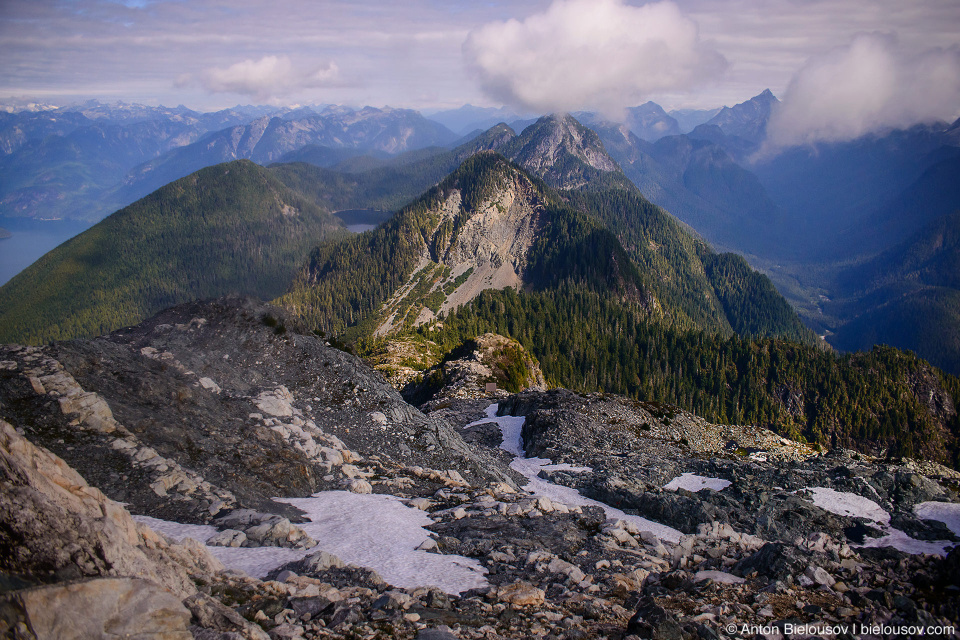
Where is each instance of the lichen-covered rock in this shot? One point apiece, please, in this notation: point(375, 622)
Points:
point(489, 359)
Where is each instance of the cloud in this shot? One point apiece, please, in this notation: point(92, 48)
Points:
point(269, 77)
point(869, 86)
point(590, 54)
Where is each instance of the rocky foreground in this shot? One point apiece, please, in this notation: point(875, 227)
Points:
point(647, 522)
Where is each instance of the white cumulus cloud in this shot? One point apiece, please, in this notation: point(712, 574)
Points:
point(869, 86)
point(590, 54)
point(266, 78)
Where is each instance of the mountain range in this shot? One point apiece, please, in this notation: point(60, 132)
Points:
point(803, 216)
point(87, 162)
point(529, 403)
point(635, 304)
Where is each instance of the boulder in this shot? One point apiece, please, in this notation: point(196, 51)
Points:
point(653, 621)
point(101, 608)
point(522, 594)
point(775, 560)
point(212, 615)
point(320, 561)
point(54, 525)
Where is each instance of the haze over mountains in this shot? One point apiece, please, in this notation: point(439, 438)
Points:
point(806, 216)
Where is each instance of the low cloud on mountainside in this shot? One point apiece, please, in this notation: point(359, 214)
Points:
point(602, 55)
point(871, 85)
point(266, 79)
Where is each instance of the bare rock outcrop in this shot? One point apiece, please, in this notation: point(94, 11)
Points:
point(98, 608)
point(54, 526)
point(466, 372)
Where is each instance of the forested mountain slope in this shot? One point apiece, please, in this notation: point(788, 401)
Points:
point(487, 225)
point(493, 250)
point(881, 401)
point(908, 297)
point(231, 228)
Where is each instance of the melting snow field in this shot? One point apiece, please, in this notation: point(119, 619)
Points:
point(843, 503)
point(692, 482)
point(946, 512)
point(372, 530)
point(852, 505)
point(510, 427)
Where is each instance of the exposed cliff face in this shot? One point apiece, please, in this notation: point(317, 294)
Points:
point(473, 246)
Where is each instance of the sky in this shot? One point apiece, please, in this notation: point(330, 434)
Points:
point(533, 56)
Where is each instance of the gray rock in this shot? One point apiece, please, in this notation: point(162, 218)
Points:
point(102, 608)
point(653, 621)
point(227, 538)
point(56, 525)
point(287, 632)
point(438, 633)
point(260, 530)
point(211, 614)
point(321, 561)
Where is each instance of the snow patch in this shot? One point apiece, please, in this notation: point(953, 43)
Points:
point(510, 428)
point(946, 512)
point(369, 530)
point(900, 540)
point(718, 576)
point(852, 505)
point(693, 483)
point(848, 504)
point(380, 532)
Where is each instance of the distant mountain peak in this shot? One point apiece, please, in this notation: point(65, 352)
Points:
point(493, 138)
point(747, 120)
point(650, 122)
point(561, 150)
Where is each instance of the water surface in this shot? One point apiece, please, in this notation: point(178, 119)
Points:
point(31, 239)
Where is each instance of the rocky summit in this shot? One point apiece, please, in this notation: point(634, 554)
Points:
point(218, 472)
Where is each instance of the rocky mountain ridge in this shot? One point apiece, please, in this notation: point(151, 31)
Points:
point(178, 387)
point(478, 229)
point(564, 153)
point(644, 521)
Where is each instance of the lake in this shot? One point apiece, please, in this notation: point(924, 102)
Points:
point(360, 228)
point(31, 239)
